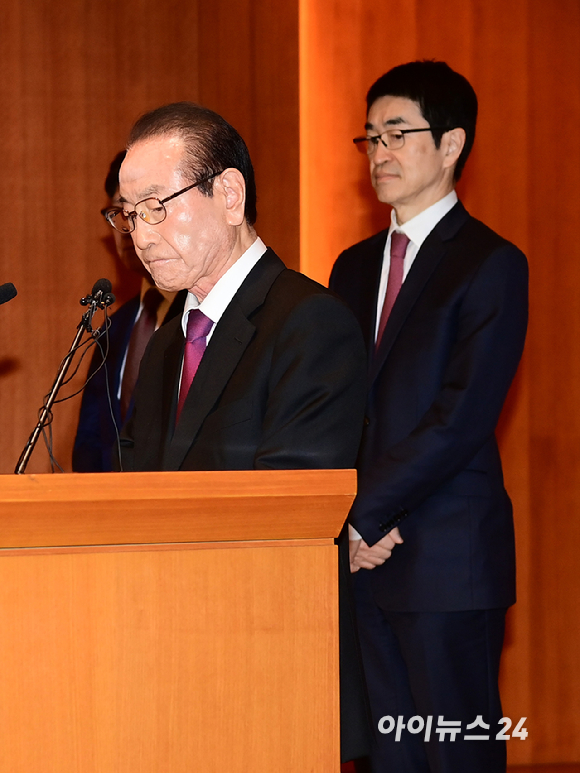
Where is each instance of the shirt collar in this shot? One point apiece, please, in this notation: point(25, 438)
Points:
point(419, 227)
point(220, 295)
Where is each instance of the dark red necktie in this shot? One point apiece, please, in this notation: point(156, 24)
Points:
point(198, 327)
point(399, 244)
point(140, 335)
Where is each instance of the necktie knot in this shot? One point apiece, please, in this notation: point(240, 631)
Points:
point(198, 325)
point(399, 242)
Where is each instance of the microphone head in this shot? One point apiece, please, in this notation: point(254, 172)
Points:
point(103, 286)
point(7, 292)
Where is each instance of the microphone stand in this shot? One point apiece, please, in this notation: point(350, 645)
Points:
point(99, 301)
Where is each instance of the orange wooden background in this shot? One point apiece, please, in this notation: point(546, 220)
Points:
point(292, 76)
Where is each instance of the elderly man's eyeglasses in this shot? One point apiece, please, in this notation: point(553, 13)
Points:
point(392, 139)
point(151, 210)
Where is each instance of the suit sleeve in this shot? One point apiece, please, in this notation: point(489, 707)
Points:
point(316, 389)
point(480, 366)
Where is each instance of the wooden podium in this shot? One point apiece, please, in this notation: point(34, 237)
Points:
point(170, 622)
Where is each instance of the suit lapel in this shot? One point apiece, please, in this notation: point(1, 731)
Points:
point(370, 280)
point(171, 372)
point(428, 258)
point(229, 340)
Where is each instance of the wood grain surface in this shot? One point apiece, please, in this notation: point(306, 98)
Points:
point(153, 507)
point(141, 662)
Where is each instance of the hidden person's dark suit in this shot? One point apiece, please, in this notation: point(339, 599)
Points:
point(97, 431)
point(429, 461)
point(281, 385)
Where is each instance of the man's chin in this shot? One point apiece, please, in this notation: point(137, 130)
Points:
point(168, 287)
point(163, 280)
point(384, 195)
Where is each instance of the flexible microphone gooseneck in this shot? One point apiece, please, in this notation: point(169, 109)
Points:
point(99, 298)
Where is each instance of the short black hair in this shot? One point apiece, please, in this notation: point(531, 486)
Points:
point(112, 179)
point(445, 98)
point(211, 145)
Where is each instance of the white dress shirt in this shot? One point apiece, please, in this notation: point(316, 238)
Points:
point(417, 230)
point(219, 297)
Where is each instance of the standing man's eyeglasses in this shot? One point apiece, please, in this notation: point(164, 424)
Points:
point(151, 210)
point(395, 139)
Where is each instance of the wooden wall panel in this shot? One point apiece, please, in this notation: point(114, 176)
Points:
point(554, 362)
point(343, 48)
point(249, 73)
point(522, 58)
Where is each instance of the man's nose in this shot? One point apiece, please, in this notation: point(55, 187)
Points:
point(144, 234)
point(382, 153)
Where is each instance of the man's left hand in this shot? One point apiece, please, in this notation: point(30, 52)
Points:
point(365, 557)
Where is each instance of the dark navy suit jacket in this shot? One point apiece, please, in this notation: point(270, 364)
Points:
point(429, 461)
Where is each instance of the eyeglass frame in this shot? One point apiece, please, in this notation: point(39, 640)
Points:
point(132, 216)
point(374, 139)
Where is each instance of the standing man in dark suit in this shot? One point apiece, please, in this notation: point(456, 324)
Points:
point(265, 368)
point(107, 398)
point(442, 301)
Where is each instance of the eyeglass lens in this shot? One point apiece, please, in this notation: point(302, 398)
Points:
point(150, 211)
point(392, 139)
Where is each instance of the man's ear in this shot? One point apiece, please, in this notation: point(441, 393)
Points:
point(453, 142)
point(234, 191)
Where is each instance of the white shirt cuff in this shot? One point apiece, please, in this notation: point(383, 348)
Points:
point(353, 533)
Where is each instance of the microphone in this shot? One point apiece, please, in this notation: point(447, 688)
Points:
point(7, 292)
point(100, 297)
point(101, 294)
point(102, 286)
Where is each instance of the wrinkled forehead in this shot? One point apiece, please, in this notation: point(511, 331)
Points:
point(151, 167)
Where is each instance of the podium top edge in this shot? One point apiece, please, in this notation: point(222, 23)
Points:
point(177, 485)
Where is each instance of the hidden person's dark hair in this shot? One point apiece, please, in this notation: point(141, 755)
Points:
point(112, 178)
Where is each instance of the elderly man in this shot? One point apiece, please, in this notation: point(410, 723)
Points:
point(107, 398)
point(442, 301)
point(265, 369)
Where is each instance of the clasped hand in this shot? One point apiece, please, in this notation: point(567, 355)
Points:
point(364, 557)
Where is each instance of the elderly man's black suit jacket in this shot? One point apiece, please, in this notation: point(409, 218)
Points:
point(281, 385)
point(429, 461)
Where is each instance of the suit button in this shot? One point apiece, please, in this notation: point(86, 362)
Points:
point(383, 528)
point(366, 421)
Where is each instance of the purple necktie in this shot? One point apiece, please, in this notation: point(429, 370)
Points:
point(399, 244)
point(140, 335)
point(198, 327)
